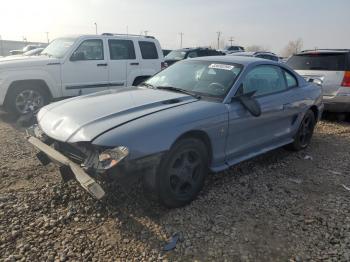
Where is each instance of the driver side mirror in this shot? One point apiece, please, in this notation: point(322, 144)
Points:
point(248, 101)
point(77, 56)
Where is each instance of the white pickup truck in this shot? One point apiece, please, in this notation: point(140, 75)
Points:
point(72, 66)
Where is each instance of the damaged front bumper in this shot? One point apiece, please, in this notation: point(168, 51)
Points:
point(85, 180)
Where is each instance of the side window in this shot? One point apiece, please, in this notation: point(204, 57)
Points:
point(148, 50)
point(274, 58)
point(264, 80)
point(121, 49)
point(192, 54)
point(203, 53)
point(89, 50)
point(291, 80)
point(264, 57)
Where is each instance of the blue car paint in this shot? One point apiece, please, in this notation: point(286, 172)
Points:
point(226, 124)
point(233, 133)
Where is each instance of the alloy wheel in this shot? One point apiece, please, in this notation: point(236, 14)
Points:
point(185, 173)
point(28, 101)
point(306, 130)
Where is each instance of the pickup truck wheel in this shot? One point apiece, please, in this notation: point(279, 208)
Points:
point(26, 99)
point(182, 172)
point(303, 137)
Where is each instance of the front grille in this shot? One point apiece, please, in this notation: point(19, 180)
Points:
point(70, 151)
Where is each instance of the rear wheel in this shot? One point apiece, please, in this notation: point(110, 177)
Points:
point(24, 99)
point(182, 172)
point(306, 129)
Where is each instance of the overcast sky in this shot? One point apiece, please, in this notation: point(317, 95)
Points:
point(270, 23)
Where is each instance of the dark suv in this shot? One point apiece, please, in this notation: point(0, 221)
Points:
point(332, 68)
point(180, 54)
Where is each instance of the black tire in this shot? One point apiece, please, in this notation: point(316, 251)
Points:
point(41, 98)
point(181, 173)
point(303, 137)
point(139, 80)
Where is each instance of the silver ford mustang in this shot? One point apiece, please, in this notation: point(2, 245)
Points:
point(199, 115)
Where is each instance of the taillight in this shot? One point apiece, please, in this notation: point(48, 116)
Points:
point(346, 79)
point(163, 65)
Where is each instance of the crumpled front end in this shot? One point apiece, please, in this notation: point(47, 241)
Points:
point(81, 161)
point(88, 164)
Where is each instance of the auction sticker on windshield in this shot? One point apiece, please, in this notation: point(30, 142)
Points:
point(221, 66)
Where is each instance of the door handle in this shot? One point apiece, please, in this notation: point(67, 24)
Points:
point(102, 64)
point(134, 63)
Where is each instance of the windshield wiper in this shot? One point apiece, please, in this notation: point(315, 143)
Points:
point(179, 90)
point(147, 85)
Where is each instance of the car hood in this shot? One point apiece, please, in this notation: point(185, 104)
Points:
point(26, 61)
point(84, 118)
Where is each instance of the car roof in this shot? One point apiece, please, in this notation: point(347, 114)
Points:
point(110, 35)
point(253, 53)
point(324, 51)
point(243, 54)
point(188, 49)
point(243, 60)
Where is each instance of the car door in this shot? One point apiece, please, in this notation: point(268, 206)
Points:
point(249, 135)
point(86, 71)
point(122, 62)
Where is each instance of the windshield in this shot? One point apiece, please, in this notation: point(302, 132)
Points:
point(205, 78)
point(318, 61)
point(176, 55)
point(59, 47)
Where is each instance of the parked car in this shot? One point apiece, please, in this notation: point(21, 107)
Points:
point(332, 67)
point(260, 54)
point(166, 52)
point(198, 115)
point(34, 52)
point(25, 49)
point(184, 53)
point(72, 66)
point(233, 49)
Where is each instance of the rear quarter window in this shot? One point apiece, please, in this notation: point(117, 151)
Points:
point(148, 50)
point(320, 61)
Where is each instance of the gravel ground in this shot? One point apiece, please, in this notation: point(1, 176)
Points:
point(281, 206)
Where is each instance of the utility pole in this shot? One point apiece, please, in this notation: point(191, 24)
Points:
point(181, 35)
point(231, 40)
point(95, 27)
point(47, 37)
point(219, 34)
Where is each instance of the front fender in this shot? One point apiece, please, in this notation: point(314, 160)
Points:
point(156, 133)
point(10, 76)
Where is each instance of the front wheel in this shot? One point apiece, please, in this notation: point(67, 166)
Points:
point(24, 99)
point(182, 172)
point(303, 137)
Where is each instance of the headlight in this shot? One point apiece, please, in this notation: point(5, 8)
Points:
point(111, 157)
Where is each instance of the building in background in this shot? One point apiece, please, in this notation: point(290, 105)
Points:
point(7, 45)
